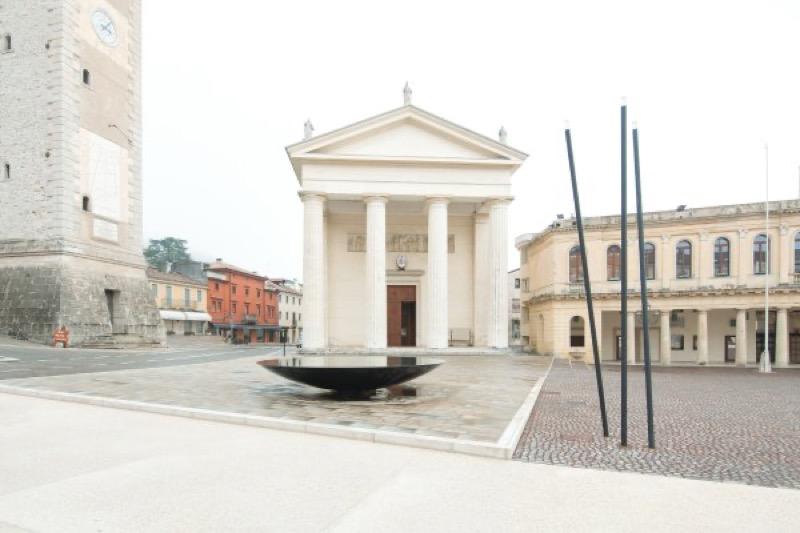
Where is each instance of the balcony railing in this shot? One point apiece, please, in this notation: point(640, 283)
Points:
point(180, 304)
point(249, 319)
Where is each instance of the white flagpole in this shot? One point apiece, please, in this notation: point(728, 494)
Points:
point(766, 363)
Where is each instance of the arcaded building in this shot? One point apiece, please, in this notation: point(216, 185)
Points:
point(405, 233)
point(706, 270)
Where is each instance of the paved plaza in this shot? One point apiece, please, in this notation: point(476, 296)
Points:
point(721, 424)
point(467, 399)
point(19, 359)
point(67, 468)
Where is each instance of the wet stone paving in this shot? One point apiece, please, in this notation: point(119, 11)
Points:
point(720, 424)
point(469, 398)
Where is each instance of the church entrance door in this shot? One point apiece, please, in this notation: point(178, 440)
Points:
point(401, 315)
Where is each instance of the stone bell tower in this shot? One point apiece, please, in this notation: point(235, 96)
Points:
point(70, 172)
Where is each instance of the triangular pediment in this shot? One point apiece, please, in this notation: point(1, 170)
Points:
point(407, 133)
point(407, 138)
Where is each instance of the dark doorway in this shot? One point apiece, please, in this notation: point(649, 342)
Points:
point(401, 315)
point(794, 348)
point(112, 304)
point(760, 346)
point(617, 347)
point(730, 348)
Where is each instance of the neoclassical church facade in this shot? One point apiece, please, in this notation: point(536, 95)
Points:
point(405, 233)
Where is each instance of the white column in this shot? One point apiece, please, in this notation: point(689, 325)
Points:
point(782, 338)
point(437, 330)
point(375, 309)
point(313, 272)
point(481, 282)
point(498, 274)
point(702, 337)
point(666, 338)
point(741, 337)
point(631, 337)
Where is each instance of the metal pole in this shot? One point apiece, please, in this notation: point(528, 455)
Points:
point(587, 286)
point(648, 379)
point(766, 362)
point(623, 220)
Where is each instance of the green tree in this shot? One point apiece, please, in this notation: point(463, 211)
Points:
point(167, 250)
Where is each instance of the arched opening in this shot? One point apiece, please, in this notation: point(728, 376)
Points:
point(649, 260)
point(575, 265)
point(683, 260)
point(577, 338)
point(797, 253)
point(760, 254)
point(722, 257)
point(613, 262)
point(87, 77)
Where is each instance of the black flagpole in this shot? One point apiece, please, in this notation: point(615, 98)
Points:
point(648, 380)
point(623, 352)
point(587, 285)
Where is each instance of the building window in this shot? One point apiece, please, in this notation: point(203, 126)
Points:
point(199, 295)
point(154, 290)
point(677, 342)
point(233, 289)
point(187, 297)
point(258, 310)
point(247, 291)
point(797, 253)
point(7, 42)
point(694, 342)
point(516, 283)
point(258, 293)
point(87, 77)
point(576, 333)
point(85, 204)
point(760, 254)
point(169, 294)
point(246, 308)
point(233, 307)
point(7, 171)
point(722, 257)
point(216, 286)
point(649, 260)
point(515, 305)
point(575, 266)
point(683, 260)
point(613, 262)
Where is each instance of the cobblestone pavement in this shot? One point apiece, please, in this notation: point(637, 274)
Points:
point(466, 398)
point(721, 424)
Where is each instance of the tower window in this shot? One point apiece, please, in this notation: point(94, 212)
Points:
point(7, 171)
point(87, 77)
point(86, 206)
point(7, 42)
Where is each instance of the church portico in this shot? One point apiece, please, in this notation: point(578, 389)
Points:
point(405, 235)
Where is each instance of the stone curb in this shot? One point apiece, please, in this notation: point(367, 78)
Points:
point(502, 449)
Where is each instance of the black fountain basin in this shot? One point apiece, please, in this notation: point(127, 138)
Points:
point(351, 373)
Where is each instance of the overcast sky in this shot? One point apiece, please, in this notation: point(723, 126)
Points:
point(228, 85)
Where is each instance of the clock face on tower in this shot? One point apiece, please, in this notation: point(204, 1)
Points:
point(104, 27)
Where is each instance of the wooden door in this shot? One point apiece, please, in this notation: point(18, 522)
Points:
point(401, 315)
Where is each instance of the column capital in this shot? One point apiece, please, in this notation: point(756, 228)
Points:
point(502, 201)
point(376, 198)
point(481, 218)
point(309, 195)
point(437, 200)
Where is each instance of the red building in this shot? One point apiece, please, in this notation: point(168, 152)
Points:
point(238, 301)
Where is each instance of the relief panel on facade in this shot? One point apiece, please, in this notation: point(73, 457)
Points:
point(398, 242)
